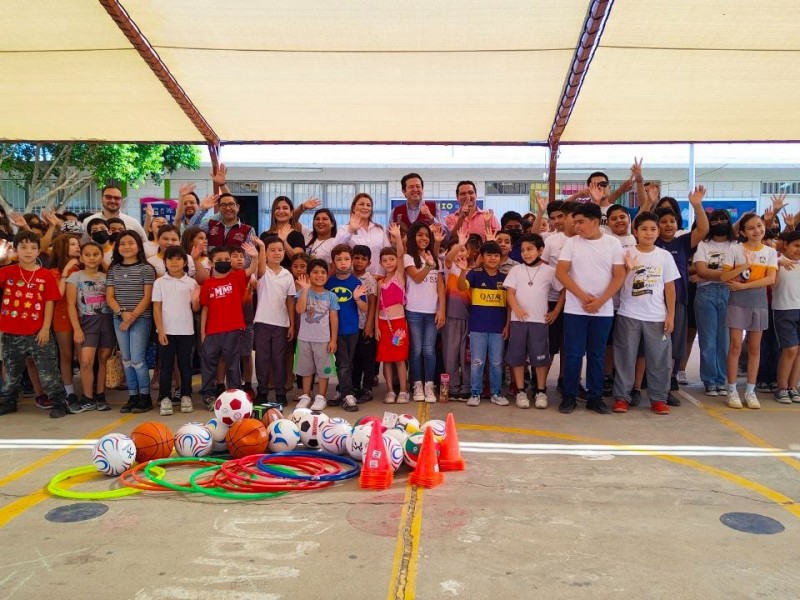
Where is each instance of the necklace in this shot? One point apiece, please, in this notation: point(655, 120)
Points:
point(528, 273)
point(33, 274)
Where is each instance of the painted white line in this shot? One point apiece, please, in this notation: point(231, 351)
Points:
point(565, 452)
point(624, 450)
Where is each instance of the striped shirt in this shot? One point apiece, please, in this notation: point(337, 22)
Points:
point(128, 282)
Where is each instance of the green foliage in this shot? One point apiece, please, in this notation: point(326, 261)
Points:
point(133, 163)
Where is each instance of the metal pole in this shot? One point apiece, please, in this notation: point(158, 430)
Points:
point(691, 179)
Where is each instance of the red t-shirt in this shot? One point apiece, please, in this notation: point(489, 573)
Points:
point(24, 296)
point(224, 297)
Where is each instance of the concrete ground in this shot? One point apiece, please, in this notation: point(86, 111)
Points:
point(550, 506)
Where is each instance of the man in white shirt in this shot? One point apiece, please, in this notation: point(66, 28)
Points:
point(111, 199)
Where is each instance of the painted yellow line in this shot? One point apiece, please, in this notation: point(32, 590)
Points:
point(413, 559)
point(11, 511)
point(45, 460)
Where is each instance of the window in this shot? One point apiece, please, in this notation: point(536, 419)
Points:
point(769, 188)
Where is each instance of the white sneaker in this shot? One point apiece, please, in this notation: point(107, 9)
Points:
point(402, 398)
point(390, 398)
point(418, 393)
point(751, 401)
point(304, 401)
point(319, 403)
point(186, 404)
point(430, 393)
point(540, 400)
point(733, 400)
point(522, 400)
point(166, 407)
point(474, 401)
point(681, 376)
point(499, 400)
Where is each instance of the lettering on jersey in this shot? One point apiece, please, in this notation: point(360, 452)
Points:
point(221, 291)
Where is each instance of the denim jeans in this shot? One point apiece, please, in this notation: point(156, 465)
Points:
point(482, 344)
point(585, 335)
point(710, 306)
point(422, 348)
point(132, 348)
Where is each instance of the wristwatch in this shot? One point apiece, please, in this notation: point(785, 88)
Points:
point(120, 311)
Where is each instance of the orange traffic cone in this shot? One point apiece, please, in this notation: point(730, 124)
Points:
point(376, 473)
point(427, 473)
point(450, 458)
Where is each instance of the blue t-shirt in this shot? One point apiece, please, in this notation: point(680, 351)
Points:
point(488, 313)
point(348, 309)
point(681, 248)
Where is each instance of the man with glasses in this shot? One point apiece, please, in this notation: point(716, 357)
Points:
point(227, 231)
point(469, 218)
point(111, 200)
point(598, 190)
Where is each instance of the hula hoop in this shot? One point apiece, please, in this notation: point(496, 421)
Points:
point(209, 491)
point(55, 488)
point(183, 460)
point(341, 475)
point(132, 478)
point(259, 481)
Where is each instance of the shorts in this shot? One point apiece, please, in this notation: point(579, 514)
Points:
point(787, 327)
point(747, 318)
point(98, 331)
point(528, 341)
point(393, 345)
point(246, 342)
point(555, 330)
point(61, 322)
point(313, 358)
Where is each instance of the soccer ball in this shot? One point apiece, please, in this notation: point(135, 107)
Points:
point(232, 406)
point(333, 436)
point(218, 429)
point(113, 454)
point(283, 436)
point(193, 439)
point(309, 426)
point(393, 450)
point(339, 421)
point(413, 447)
point(298, 414)
point(398, 434)
point(407, 419)
point(437, 425)
point(359, 441)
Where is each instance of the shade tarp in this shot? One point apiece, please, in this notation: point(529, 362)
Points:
point(451, 71)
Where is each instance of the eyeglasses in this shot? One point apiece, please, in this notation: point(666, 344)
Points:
point(110, 197)
point(227, 204)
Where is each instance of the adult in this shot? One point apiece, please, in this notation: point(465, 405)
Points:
point(228, 230)
point(469, 218)
point(323, 235)
point(598, 190)
point(361, 229)
point(111, 199)
point(414, 209)
point(189, 201)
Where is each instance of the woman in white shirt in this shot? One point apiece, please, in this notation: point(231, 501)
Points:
point(362, 230)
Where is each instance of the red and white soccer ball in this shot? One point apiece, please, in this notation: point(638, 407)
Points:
point(233, 406)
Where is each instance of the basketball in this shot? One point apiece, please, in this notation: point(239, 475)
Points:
point(232, 406)
point(283, 436)
point(113, 454)
point(193, 439)
point(272, 415)
point(246, 437)
point(153, 440)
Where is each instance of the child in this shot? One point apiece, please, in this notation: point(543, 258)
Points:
point(646, 315)
point(129, 286)
point(274, 321)
point(319, 329)
point(238, 262)
point(456, 327)
point(222, 320)
point(528, 286)
point(504, 240)
point(786, 317)
point(351, 295)
point(364, 367)
point(168, 236)
point(25, 319)
point(425, 301)
point(391, 329)
point(64, 255)
point(488, 323)
point(299, 267)
point(92, 324)
point(98, 233)
point(176, 296)
point(749, 269)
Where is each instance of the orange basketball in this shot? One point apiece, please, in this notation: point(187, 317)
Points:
point(272, 415)
point(152, 440)
point(246, 437)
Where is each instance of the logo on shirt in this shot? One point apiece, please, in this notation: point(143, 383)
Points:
point(221, 291)
point(344, 294)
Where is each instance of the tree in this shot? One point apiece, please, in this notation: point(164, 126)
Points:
point(54, 174)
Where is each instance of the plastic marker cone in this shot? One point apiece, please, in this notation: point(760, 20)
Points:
point(376, 473)
point(450, 458)
point(427, 473)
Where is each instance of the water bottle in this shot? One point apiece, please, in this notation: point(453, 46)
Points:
point(444, 388)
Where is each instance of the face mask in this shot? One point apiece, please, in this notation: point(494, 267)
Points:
point(720, 229)
point(515, 234)
point(222, 266)
point(534, 263)
point(112, 237)
point(101, 237)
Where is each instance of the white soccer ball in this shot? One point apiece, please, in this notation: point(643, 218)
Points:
point(232, 406)
point(193, 439)
point(398, 434)
point(309, 426)
point(407, 419)
point(113, 454)
point(359, 441)
point(333, 436)
point(283, 436)
point(298, 414)
point(394, 451)
point(437, 425)
point(218, 429)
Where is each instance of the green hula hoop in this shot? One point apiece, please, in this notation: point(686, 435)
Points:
point(226, 494)
point(55, 488)
point(159, 479)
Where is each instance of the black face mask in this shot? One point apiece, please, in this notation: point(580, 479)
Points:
point(222, 266)
point(101, 237)
point(534, 263)
point(720, 229)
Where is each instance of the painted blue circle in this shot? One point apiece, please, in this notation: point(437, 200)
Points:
point(77, 512)
point(752, 523)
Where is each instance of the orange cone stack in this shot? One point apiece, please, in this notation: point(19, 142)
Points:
point(450, 458)
point(427, 473)
point(376, 473)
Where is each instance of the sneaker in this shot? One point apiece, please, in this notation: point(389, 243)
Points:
point(365, 396)
point(608, 385)
point(128, 406)
point(100, 402)
point(499, 399)
point(711, 390)
point(620, 406)
point(660, 408)
point(261, 399)
point(166, 406)
point(773, 387)
point(338, 399)
point(11, 407)
point(209, 401)
point(474, 400)
point(462, 397)
point(72, 405)
point(751, 401)
point(390, 398)
point(522, 400)
point(349, 404)
point(144, 404)
point(43, 402)
point(186, 404)
point(568, 404)
point(540, 400)
point(280, 399)
point(88, 403)
point(430, 393)
point(794, 395)
point(673, 384)
point(304, 401)
point(733, 400)
point(636, 398)
point(59, 410)
point(722, 390)
point(762, 387)
point(402, 398)
point(681, 377)
point(73, 399)
point(672, 400)
point(321, 404)
point(418, 393)
point(599, 406)
point(782, 396)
